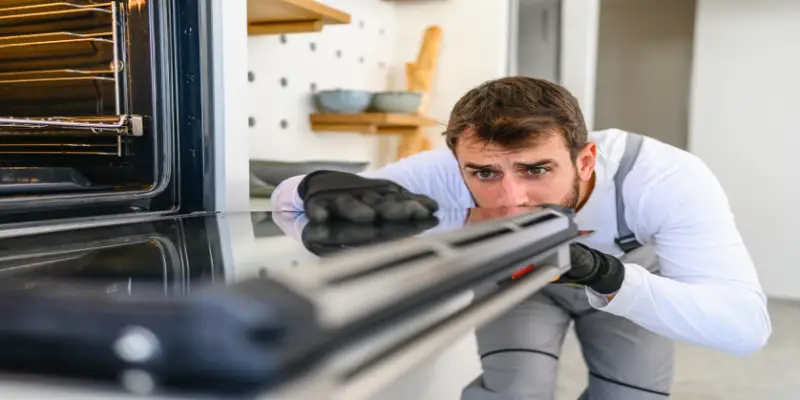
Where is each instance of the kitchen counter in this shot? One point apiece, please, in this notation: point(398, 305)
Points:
point(167, 260)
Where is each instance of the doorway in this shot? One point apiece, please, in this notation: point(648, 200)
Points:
point(644, 65)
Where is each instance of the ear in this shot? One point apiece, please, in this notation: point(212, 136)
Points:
point(586, 160)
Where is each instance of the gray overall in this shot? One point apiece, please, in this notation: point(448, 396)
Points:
point(519, 350)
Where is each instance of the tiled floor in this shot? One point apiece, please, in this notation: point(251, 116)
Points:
point(701, 374)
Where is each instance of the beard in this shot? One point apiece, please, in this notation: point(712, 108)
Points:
point(571, 199)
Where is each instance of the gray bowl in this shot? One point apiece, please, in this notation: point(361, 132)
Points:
point(342, 101)
point(275, 172)
point(396, 102)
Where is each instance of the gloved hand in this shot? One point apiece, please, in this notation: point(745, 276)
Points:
point(601, 272)
point(324, 239)
point(333, 195)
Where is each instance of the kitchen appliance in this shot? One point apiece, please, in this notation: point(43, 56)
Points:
point(103, 109)
point(158, 307)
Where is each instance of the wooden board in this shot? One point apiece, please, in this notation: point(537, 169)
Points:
point(288, 16)
point(373, 119)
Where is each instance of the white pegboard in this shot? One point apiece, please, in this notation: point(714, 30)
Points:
point(285, 69)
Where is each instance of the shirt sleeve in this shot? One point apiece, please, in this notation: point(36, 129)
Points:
point(431, 173)
point(708, 293)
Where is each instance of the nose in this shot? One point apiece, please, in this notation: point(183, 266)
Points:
point(515, 193)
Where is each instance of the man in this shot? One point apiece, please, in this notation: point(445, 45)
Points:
point(523, 141)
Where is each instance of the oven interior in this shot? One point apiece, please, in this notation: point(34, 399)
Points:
point(76, 104)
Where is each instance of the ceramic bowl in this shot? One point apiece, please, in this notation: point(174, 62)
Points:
point(396, 102)
point(342, 101)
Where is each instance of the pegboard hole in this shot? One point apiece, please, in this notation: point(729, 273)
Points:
point(361, 24)
point(284, 82)
point(251, 121)
point(283, 39)
point(284, 124)
point(251, 76)
point(312, 46)
point(382, 31)
point(361, 60)
point(338, 54)
point(313, 87)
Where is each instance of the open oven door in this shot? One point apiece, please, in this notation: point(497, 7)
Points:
point(102, 109)
point(188, 306)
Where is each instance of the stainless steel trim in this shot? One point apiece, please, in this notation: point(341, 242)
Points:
point(367, 383)
point(341, 304)
point(376, 257)
point(14, 230)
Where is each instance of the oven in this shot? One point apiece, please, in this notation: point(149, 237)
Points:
point(104, 109)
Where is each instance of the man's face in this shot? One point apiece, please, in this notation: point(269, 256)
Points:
point(543, 173)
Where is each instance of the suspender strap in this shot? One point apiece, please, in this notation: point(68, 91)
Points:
point(626, 240)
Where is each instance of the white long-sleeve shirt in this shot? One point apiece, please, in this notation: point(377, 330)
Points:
point(708, 293)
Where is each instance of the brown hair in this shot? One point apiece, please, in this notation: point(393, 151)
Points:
point(518, 111)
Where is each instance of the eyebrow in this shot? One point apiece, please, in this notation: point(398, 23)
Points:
point(519, 165)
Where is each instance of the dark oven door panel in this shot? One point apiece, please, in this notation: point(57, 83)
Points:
point(87, 105)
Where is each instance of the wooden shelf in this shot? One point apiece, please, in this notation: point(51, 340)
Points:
point(370, 123)
point(270, 17)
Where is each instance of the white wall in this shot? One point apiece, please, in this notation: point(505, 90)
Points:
point(229, 74)
point(355, 56)
point(474, 47)
point(644, 64)
point(745, 124)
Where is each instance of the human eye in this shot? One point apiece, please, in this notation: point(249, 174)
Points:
point(536, 171)
point(484, 175)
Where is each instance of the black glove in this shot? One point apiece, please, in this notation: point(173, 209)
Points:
point(333, 195)
point(601, 272)
point(324, 239)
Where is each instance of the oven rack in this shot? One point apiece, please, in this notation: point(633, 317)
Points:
point(76, 149)
point(55, 50)
point(49, 16)
point(126, 125)
point(24, 11)
point(95, 136)
point(61, 79)
point(92, 89)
